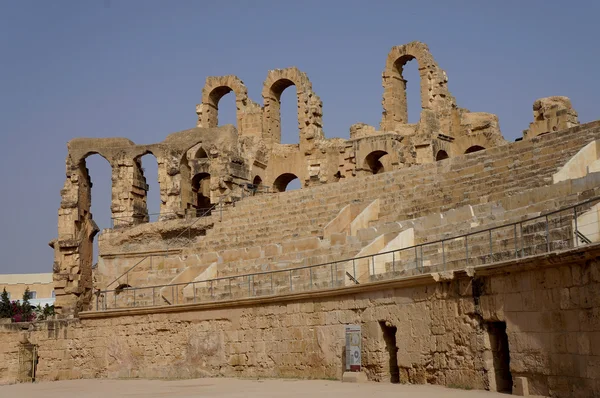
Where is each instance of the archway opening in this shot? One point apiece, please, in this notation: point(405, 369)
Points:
point(286, 182)
point(288, 101)
point(148, 166)
point(406, 103)
point(412, 82)
point(201, 154)
point(99, 178)
point(474, 148)
point(441, 155)
point(373, 162)
point(227, 109)
point(201, 193)
point(257, 181)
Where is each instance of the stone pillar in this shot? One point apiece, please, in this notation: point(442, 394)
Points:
point(73, 249)
point(129, 193)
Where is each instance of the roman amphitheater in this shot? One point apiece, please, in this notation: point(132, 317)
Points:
point(466, 260)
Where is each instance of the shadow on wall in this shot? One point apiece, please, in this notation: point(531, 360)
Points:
point(389, 336)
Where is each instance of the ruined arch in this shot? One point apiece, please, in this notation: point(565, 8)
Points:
point(474, 148)
point(441, 155)
point(85, 189)
point(309, 104)
point(214, 89)
point(280, 184)
point(433, 85)
point(374, 162)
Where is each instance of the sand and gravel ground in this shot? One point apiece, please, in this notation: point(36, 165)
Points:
point(231, 388)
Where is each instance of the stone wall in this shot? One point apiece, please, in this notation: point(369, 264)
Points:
point(445, 332)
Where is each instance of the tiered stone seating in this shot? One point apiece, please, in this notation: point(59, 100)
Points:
point(480, 177)
point(476, 191)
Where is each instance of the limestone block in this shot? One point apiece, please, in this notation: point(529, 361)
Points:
point(338, 239)
point(367, 234)
point(272, 250)
point(354, 377)
point(520, 386)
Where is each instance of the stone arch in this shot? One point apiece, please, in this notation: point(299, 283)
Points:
point(434, 91)
point(200, 153)
point(85, 189)
point(281, 182)
point(214, 89)
point(309, 104)
point(375, 162)
point(257, 181)
point(474, 148)
point(441, 155)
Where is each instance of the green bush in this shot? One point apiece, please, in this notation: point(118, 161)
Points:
point(23, 311)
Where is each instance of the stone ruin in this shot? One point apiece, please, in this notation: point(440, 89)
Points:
point(391, 187)
point(210, 164)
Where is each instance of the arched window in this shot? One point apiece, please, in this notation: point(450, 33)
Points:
point(407, 71)
point(288, 105)
point(257, 181)
point(441, 155)
point(148, 175)
point(286, 182)
point(201, 192)
point(201, 154)
point(474, 148)
point(226, 110)
point(216, 114)
point(373, 162)
point(274, 112)
point(97, 172)
point(412, 84)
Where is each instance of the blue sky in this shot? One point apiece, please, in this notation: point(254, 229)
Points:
point(101, 68)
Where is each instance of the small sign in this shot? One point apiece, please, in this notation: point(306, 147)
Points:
point(353, 345)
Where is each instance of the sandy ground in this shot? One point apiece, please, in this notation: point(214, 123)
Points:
point(231, 388)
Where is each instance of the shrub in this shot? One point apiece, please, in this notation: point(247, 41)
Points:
point(5, 305)
point(18, 311)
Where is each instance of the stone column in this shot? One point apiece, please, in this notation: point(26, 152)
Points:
point(73, 249)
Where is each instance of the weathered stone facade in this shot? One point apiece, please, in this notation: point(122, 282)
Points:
point(446, 332)
point(207, 165)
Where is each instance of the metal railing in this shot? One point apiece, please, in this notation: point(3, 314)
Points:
point(177, 240)
point(569, 227)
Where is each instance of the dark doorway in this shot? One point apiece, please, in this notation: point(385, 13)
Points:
point(500, 355)
point(441, 155)
point(474, 148)
point(284, 182)
point(389, 336)
point(201, 192)
point(373, 162)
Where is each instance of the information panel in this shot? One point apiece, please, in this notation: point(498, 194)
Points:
point(353, 344)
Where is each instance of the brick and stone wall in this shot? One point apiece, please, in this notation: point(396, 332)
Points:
point(446, 332)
